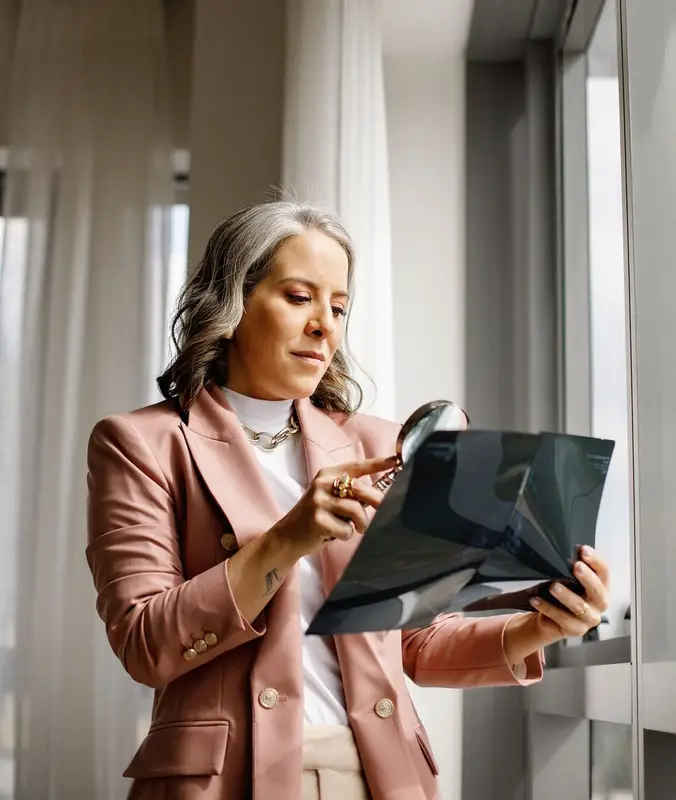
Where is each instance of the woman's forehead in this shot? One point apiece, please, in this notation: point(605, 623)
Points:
point(317, 258)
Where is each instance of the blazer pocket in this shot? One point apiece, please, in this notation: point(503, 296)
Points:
point(426, 747)
point(181, 749)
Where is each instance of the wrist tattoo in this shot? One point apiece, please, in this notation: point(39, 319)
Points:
point(272, 581)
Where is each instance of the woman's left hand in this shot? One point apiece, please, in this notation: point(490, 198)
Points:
point(550, 624)
point(580, 614)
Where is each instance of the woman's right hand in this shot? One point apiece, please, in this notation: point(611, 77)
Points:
point(319, 515)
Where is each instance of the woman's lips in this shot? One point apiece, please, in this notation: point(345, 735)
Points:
point(315, 359)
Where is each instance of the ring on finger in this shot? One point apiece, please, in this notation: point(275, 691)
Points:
point(583, 613)
point(343, 486)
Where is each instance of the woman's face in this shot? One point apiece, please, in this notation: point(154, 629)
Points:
point(293, 321)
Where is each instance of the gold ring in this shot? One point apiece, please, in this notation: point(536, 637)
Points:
point(583, 613)
point(342, 486)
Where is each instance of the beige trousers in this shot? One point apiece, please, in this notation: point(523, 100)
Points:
point(331, 765)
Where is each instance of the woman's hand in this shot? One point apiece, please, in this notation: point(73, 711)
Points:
point(319, 515)
point(525, 634)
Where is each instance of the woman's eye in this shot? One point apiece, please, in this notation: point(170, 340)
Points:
point(301, 299)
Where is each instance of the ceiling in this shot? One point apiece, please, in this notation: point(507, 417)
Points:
point(490, 30)
point(500, 29)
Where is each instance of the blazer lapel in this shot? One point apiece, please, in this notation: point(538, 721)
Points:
point(224, 458)
point(359, 655)
point(326, 445)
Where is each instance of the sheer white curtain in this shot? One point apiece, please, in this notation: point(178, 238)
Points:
point(82, 296)
point(335, 152)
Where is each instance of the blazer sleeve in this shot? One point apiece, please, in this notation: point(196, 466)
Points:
point(152, 614)
point(459, 652)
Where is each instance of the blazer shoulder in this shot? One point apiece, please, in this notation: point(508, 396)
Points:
point(152, 423)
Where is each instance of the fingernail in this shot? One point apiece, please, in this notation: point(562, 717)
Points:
point(580, 568)
point(586, 551)
point(535, 601)
point(556, 588)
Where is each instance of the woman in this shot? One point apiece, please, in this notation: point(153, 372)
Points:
point(212, 544)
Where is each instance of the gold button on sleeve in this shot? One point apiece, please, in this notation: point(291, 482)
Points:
point(384, 708)
point(211, 639)
point(200, 645)
point(268, 698)
point(189, 654)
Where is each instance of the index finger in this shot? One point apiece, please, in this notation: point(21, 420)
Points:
point(357, 469)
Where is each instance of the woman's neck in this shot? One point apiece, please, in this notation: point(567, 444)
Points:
point(268, 415)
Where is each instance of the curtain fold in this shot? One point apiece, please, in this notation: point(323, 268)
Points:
point(335, 152)
point(82, 314)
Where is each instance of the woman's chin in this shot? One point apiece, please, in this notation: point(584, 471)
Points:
point(301, 388)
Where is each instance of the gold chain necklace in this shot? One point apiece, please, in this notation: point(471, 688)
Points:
point(268, 441)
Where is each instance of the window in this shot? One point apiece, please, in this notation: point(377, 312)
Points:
point(607, 302)
point(178, 265)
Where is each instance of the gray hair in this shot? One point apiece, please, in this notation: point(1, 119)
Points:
point(238, 256)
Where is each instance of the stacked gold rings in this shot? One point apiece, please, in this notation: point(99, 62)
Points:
point(343, 486)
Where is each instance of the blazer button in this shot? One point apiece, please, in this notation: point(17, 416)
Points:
point(384, 708)
point(268, 698)
point(189, 654)
point(211, 639)
point(229, 541)
point(200, 645)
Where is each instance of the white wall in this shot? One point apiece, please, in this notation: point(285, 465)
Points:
point(425, 100)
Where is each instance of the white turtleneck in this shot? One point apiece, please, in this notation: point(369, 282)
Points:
point(285, 470)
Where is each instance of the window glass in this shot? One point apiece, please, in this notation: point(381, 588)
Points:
point(608, 325)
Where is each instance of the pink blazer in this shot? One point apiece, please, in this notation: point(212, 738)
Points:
point(169, 503)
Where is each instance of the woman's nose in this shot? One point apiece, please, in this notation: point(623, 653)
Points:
point(321, 325)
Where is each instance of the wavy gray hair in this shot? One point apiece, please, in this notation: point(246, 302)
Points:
point(240, 253)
